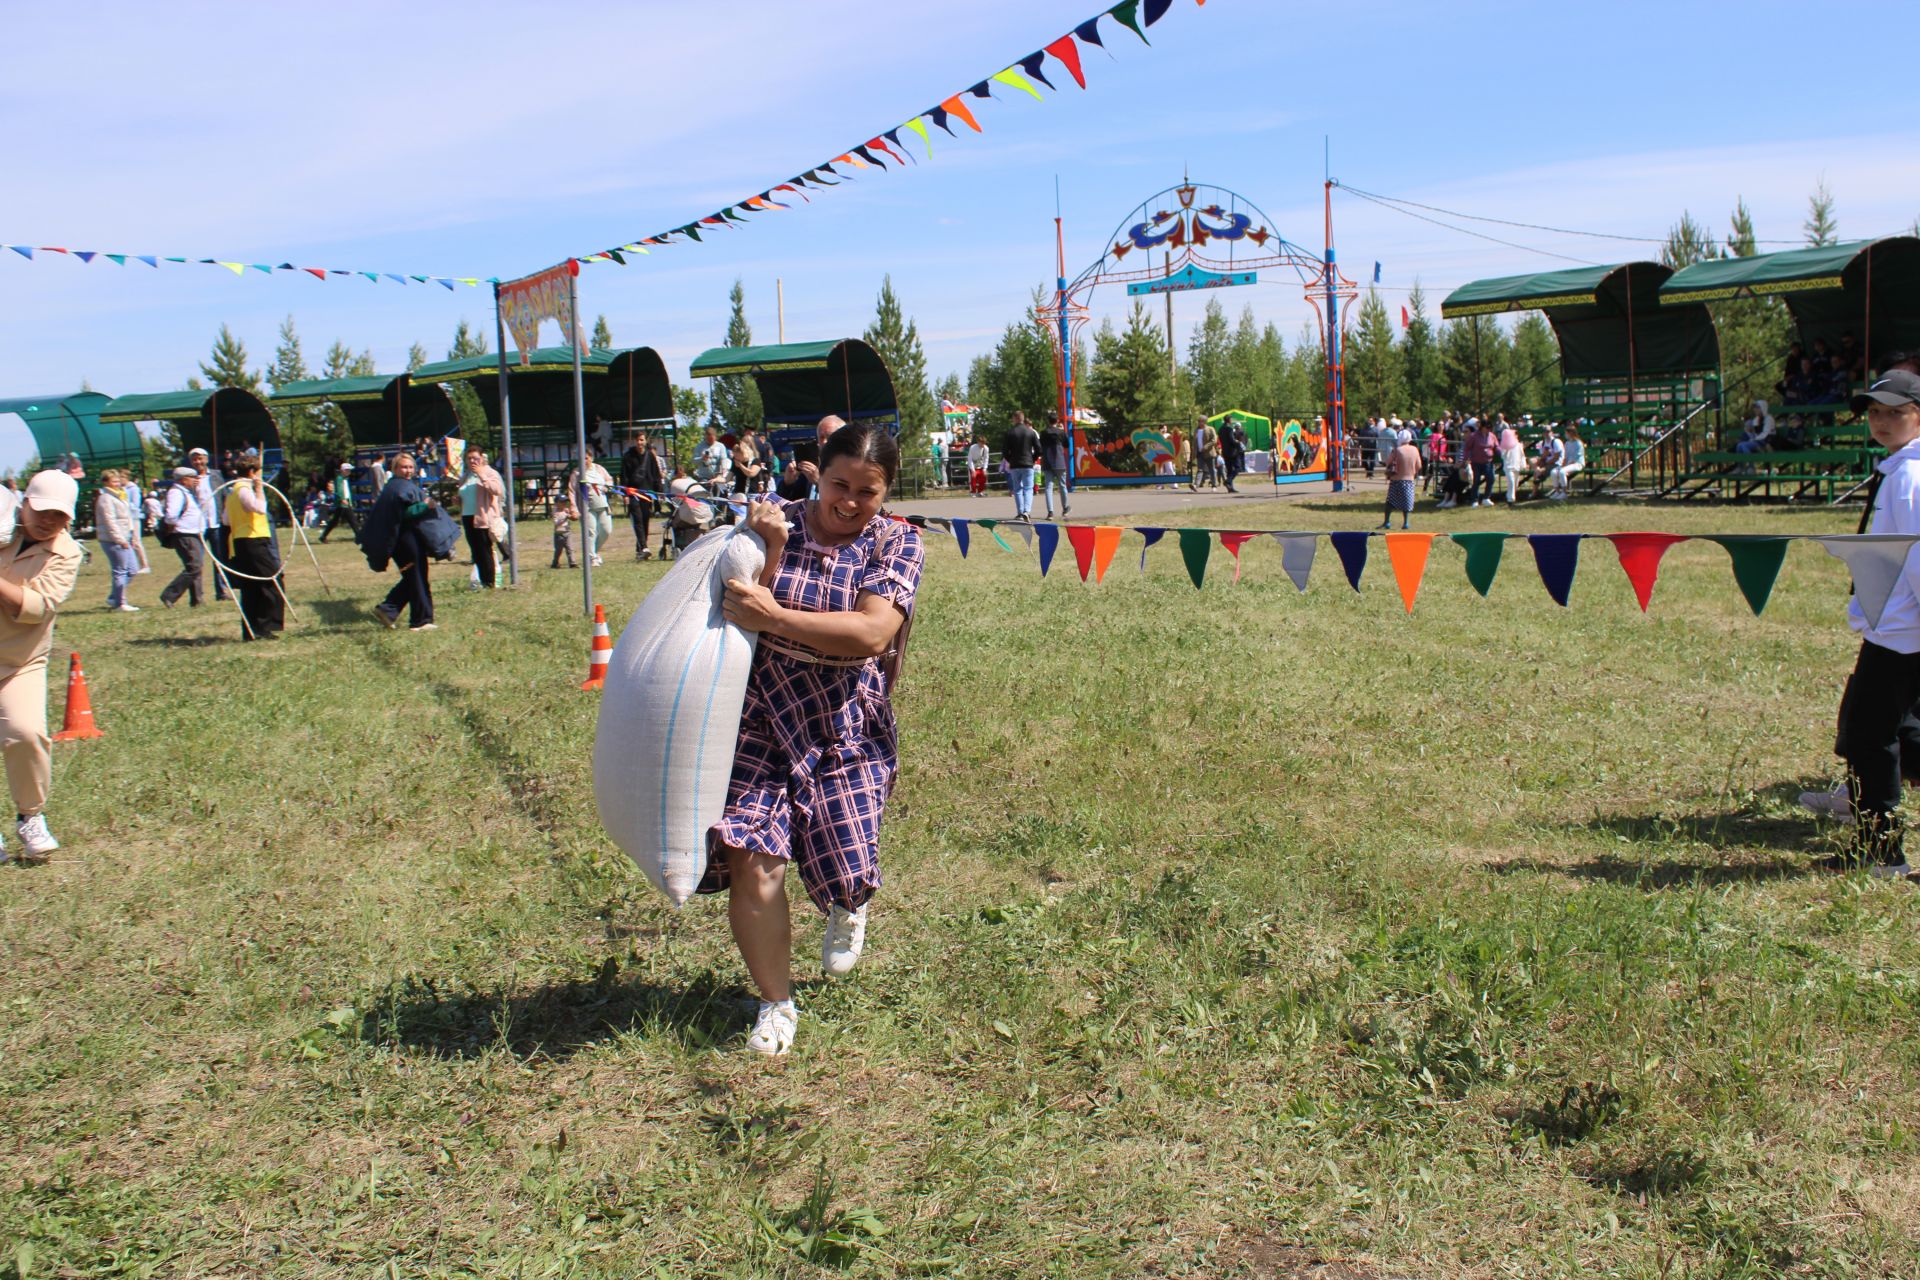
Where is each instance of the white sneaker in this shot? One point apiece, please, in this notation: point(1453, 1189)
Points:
point(1890, 871)
point(126, 608)
point(846, 935)
point(34, 835)
point(773, 1030)
point(1835, 804)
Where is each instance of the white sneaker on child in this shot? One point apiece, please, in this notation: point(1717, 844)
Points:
point(845, 937)
point(773, 1029)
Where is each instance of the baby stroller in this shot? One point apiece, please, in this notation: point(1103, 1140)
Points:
point(694, 513)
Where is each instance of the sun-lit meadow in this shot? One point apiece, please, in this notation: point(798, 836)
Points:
point(1226, 933)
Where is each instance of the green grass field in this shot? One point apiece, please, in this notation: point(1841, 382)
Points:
point(1226, 933)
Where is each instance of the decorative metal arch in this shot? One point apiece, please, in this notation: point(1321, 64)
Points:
point(1199, 231)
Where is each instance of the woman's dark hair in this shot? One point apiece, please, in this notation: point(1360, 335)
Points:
point(245, 466)
point(864, 442)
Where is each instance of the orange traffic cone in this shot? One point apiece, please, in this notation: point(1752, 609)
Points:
point(599, 652)
point(79, 722)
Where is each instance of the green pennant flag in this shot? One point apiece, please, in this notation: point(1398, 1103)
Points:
point(1756, 563)
point(1483, 557)
point(1195, 545)
point(988, 524)
point(1127, 12)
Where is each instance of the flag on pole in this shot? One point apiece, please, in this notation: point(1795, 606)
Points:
point(1376, 273)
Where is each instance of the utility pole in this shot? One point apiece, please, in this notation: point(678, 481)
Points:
point(780, 308)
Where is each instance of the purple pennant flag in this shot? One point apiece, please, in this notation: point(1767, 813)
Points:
point(1089, 31)
point(1049, 535)
point(981, 90)
point(1157, 9)
point(1152, 536)
point(85, 255)
point(939, 116)
point(960, 535)
point(1557, 556)
point(1353, 554)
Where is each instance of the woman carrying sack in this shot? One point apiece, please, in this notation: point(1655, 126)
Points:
point(251, 553)
point(38, 566)
point(817, 755)
point(481, 494)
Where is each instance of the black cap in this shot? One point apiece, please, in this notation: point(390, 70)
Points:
point(1897, 387)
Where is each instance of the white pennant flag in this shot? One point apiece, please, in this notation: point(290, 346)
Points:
point(1875, 560)
point(1296, 555)
point(1025, 531)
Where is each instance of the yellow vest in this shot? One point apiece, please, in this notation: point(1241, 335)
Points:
point(242, 523)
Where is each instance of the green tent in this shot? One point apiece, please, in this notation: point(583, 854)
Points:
point(384, 409)
point(1610, 320)
point(71, 424)
point(802, 382)
point(1870, 288)
point(214, 418)
point(1259, 430)
point(626, 385)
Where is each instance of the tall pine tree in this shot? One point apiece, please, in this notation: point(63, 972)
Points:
point(1420, 358)
point(1208, 361)
point(226, 365)
point(1535, 380)
point(736, 400)
point(1019, 375)
point(1820, 226)
point(1689, 242)
point(602, 334)
point(467, 408)
point(1129, 385)
point(304, 434)
point(1375, 384)
point(1753, 332)
point(897, 340)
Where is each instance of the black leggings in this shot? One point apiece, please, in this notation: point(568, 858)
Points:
point(480, 543)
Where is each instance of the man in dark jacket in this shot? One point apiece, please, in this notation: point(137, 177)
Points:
point(1018, 451)
point(797, 484)
point(392, 536)
point(1233, 450)
point(640, 469)
point(1056, 453)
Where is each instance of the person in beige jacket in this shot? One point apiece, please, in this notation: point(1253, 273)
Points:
point(38, 566)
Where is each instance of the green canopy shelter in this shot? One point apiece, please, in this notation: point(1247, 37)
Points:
point(625, 385)
point(1259, 429)
point(1870, 288)
point(383, 409)
point(1611, 321)
point(803, 382)
point(71, 424)
point(213, 418)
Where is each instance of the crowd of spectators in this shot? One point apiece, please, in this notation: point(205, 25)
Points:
point(1469, 460)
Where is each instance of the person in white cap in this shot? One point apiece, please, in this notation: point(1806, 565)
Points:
point(210, 502)
point(182, 522)
point(38, 566)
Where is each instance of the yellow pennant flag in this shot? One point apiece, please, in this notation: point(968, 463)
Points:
point(238, 268)
point(1018, 81)
point(919, 126)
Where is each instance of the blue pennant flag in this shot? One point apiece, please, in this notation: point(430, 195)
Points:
point(1556, 555)
point(960, 535)
point(1049, 535)
point(1376, 273)
point(1353, 554)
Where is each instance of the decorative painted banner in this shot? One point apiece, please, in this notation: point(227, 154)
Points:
point(238, 268)
point(544, 295)
point(1876, 561)
point(1189, 278)
point(873, 153)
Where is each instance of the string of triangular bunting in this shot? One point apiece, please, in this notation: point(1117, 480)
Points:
point(886, 145)
point(240, 268)
point(1875, 560)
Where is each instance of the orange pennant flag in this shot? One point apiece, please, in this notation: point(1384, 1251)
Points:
point(1408, 551)
point(954, 107)
point(1106, 541)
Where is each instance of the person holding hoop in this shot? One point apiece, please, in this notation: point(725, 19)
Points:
point(252, 556)
point(38, 567)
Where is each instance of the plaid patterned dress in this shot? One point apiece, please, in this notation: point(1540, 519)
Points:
point(818, 756)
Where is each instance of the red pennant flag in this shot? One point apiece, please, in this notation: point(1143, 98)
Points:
point(1406, 321)
point(880, 144)
point(1233, 542)
point(1069, 54)
point(1640, 556)
point(1081, 536)
point(318, 273)
point(954, 107)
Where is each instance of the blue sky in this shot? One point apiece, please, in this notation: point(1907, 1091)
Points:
point(493, 139)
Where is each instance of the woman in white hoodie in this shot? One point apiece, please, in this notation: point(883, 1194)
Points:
point(1759, 430)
